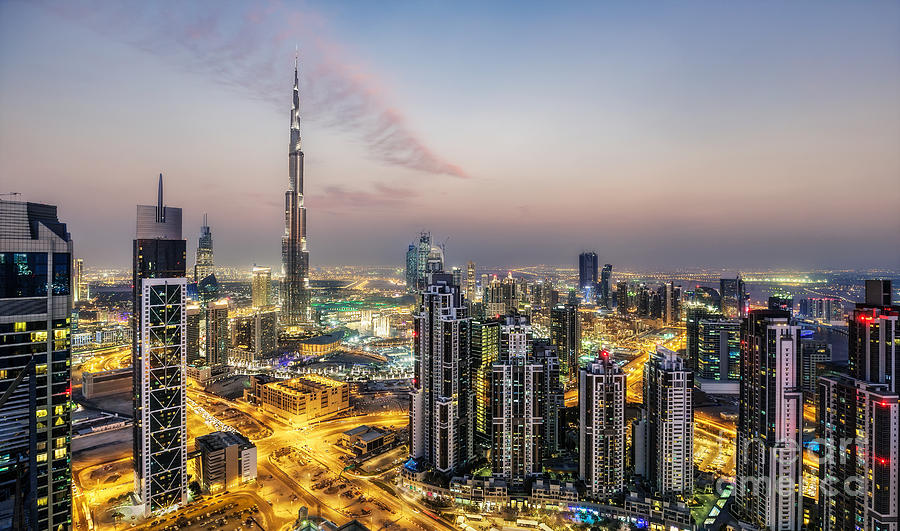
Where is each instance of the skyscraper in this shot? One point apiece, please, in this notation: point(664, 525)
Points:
point(484, 350)
point(859, 456)
point(734, 296)
point(440, 411)
point(668, 387)
point(859, 422)
point(812, 353)
point(204, 265)
point(471, 290)
point(295, 309)
point(261, 287)
point(158, 357)
point(874, 331)
point(605, 277)
point(601, 427)
point(565, 335)
point(622, 297)
point(719, 349)
point(694, 313)
point(35, 423)
point(79, 286)
point(587, 276)
point(768, 491)
point(672, 303)
point(216, 338)
point(518, 403)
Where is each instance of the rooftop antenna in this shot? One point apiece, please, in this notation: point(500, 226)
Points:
point(160, 208)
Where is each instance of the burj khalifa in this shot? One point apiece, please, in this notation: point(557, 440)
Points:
point(295, 309)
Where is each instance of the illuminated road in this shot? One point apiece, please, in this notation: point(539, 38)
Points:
point(315, 443)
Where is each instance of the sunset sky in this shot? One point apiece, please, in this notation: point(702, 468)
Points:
point(660, 134)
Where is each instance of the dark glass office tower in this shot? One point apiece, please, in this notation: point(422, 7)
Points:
point(734, 297)
point(565, 335)
point(35, 394)
point(158, 357)
point(295, 309)
point(605, 277)
point(484, 350)
point(587, 276)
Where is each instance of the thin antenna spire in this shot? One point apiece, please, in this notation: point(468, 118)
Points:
point(204, 220)
point(160, 207)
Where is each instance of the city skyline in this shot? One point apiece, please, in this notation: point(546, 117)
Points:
point(756, 167)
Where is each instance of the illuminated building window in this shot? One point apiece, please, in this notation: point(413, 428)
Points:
point(59, 453)
point(19, 327)
point(41, 413)
point(41, 457)
point(40, 369)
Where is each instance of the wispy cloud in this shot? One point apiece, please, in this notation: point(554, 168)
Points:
point(382, 196)
point(247, 47)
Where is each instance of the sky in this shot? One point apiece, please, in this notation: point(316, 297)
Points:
point(660, 134)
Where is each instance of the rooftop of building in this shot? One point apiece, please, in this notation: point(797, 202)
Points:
point(324, 339)
point(21, 220)
point(219, 440)
point(305, 384)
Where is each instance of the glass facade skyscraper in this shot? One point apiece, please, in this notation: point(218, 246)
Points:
point(35, 424)
point(159, 357)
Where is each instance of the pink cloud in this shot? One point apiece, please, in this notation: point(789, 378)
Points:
point(249, 51)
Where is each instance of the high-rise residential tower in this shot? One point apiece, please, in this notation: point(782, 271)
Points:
point(525, 397)
point(859, 454)
point(587, 276)
point(158, 357)
point(295, 308)
point(517, 418)
point(859, 422)
point(668, 387)
point(261, 287)
point(768, 490)
point(204, 265)
point(601, 427)
point(35, 393)
point(874, 331)
point(719, 349)
point(440, 410)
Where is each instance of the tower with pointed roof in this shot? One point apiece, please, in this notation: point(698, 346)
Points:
point(295, 309)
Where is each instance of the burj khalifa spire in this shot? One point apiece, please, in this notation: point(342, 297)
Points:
point(295, 309)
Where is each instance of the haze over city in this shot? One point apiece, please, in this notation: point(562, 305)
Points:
point(672, 135)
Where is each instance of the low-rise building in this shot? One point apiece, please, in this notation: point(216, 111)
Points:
point(365, 440)
point(549, 492)
point(205, 375)
point(320, 345)
point(227, 459)
point(486, 494)
point(106, 383)
point(302, 399)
